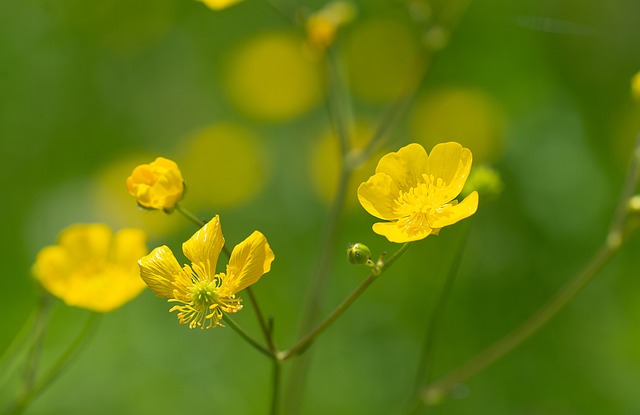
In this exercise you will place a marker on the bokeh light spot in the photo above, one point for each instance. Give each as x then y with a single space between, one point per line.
223 165
270 78
325 164
382 55
467 116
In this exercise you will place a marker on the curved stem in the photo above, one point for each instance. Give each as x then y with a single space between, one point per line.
246 336
59 366
306 340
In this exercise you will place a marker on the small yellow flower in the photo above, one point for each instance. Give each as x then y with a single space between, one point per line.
157 185
92 268
219 4
202 294
415 192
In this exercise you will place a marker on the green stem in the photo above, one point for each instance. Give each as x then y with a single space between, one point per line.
263 324
58 367
427 356
619 231
246 336
304 342
190 216
277 382
18 347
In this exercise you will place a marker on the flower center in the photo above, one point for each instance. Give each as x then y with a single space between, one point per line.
416 205
204 305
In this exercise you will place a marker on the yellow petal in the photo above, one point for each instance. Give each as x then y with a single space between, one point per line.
451 163
128 246
86 242
250 259
377 196
448 215
205 245
406 166
159 269
399 231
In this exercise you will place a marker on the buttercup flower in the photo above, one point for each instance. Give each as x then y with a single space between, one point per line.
92 268
415 192
323 25
201 294
157 185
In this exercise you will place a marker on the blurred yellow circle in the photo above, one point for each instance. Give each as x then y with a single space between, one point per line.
223 165
270 78
325 164
112 201
467 116
382 56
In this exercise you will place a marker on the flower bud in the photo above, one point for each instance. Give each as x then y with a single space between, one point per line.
358 254
157 185
485 180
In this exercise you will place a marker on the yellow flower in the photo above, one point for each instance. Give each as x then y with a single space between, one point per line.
416 191
157 185
219 4
92 268
202 294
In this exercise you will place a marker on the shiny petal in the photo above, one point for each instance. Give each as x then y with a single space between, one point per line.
159 269
377 196
449 215
451 163
405 166
399 232
205 245
250 259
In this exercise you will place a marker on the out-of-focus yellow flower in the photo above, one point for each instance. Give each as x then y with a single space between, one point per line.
635 86
202 295
157 185
322 26
92 268
416 192
219 4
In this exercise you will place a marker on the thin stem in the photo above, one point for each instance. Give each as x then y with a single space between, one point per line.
277 383
619 231
34 390
305 341
339 106
263 324
190 216
427 356
19 345
246 336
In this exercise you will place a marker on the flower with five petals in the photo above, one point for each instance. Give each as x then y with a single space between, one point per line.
203 296
416 192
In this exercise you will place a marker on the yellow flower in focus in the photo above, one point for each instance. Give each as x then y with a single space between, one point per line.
416 192
202 294
157 185
219 4
92 268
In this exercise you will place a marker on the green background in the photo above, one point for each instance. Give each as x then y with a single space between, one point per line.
84 85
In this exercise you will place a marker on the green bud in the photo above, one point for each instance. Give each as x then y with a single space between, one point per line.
485 180
358 254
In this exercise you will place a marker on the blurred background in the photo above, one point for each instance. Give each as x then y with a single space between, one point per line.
539 90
